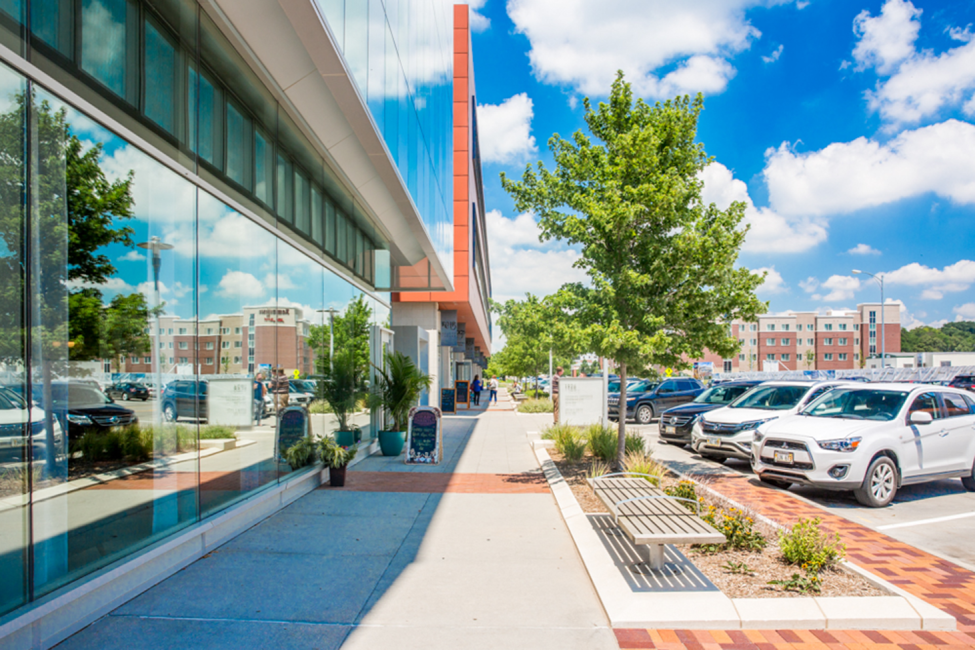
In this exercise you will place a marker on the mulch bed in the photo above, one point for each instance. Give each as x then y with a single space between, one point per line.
763 565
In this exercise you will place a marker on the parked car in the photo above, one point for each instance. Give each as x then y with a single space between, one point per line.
871 440
127 390
966 382
727 432
184 398
152 388
676 423
298 393
80 407
647 399
13 429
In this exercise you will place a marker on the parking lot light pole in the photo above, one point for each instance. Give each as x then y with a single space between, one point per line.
883 332
331 311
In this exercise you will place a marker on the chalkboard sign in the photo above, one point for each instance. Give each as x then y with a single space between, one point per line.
292 426
423 441
447 404
463 392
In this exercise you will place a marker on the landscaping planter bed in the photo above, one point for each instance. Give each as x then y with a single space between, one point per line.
764 566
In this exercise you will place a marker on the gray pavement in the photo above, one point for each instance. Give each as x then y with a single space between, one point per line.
476 569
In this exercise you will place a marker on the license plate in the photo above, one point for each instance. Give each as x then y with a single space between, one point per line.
670 430
784 457
714 442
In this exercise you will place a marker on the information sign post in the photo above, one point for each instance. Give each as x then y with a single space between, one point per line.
582 401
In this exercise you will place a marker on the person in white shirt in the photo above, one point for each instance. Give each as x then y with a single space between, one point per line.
493 385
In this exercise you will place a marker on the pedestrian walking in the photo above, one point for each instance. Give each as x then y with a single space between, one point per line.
259 392
493 385
476 390
280 387
555 393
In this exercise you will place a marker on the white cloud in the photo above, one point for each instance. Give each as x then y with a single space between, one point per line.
863 249
842 287
809 285
920 83
169 295
774 283
505 130
966 311
888 39
241 285
770 232
521 264
479 22
951 279
774 56
111 283
278 281
581 44
132 256
849 176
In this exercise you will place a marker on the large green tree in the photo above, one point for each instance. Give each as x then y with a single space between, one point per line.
950 337
532 328
351 333
661 263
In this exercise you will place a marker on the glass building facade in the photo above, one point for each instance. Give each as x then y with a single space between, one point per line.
164 221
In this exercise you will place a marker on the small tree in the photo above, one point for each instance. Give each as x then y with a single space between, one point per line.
810 358
533 328
661 263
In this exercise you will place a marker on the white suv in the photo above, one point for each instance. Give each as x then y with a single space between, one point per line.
872 438
727 432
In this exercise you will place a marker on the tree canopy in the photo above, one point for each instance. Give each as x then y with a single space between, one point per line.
950 337
663 280
532 327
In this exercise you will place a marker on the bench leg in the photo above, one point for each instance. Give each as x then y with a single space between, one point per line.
653 554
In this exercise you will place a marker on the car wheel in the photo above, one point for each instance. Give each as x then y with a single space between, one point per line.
782 485
717 459
169 412
879 485
969 481
125 397
644 414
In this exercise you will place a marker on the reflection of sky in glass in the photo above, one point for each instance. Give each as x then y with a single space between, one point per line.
104 57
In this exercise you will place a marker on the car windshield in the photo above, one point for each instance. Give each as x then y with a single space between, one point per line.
9 401
721 394
771 398
857 404
641 387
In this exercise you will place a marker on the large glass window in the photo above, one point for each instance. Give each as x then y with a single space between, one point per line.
263 166
105 42
52 21
160 79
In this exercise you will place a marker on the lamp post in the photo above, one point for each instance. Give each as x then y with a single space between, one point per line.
156 245
883 333
331 311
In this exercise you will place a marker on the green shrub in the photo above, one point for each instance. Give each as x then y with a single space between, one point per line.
300 454
136 443
602 441
319 406
536 394
810 547
809 583
738 529
684 490
568 441
216 431
596 469
635 443
643 463
535 406
131 443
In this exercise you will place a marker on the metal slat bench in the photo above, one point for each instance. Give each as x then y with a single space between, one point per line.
651 518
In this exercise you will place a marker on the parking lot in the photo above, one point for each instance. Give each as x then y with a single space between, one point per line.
938 517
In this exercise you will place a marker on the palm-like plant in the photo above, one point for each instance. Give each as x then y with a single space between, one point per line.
341 388
398 387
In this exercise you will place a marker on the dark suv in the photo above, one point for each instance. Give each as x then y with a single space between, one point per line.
648 399
80 407
676 423
963 381
184 399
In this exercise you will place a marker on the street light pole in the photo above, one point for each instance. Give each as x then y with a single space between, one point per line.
883 320
331 311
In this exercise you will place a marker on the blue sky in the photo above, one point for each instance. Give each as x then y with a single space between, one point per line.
848 127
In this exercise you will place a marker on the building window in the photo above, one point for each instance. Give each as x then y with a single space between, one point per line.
828 356
170 331
856 356
182 330
225 330
771 327
208 361
236 330
236 359
225 345
147 360
827 341
741 357
754 357
843 326
856 341
786 341
754 341
183 345
209 345
843 341
785 327
810 341
873 349
135 359
770 357
741 341
842 356
769 341
170 345
184 360
810 327
236 344
828 327
753 327
945 364
856 327
786 357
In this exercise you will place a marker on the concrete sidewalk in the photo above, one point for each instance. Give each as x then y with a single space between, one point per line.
469 554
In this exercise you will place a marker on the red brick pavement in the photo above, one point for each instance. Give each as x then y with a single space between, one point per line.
939 582
438 483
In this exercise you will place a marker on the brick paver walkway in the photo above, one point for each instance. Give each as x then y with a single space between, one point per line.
424 483
937 581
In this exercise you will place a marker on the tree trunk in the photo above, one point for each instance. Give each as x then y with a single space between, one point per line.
621 431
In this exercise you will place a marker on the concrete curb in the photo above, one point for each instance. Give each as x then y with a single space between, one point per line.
710 610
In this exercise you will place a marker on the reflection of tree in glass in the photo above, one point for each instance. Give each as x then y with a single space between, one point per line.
351 332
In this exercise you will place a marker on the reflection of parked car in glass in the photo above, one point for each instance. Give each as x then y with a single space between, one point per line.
83 407
676 423
727 432
872 440
966 382
13 434
647 399
298 392
127 390
184 399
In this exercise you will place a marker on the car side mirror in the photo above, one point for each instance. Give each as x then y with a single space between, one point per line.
921 417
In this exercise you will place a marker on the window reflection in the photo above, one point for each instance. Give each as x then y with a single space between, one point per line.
104 42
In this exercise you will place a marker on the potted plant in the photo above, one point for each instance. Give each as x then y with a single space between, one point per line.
398 389
300 454
336 457
341 388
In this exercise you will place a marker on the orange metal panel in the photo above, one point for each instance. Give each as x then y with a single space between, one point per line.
461 139
460 64
462 214
461 17
461 113
460 264
460 89
461 238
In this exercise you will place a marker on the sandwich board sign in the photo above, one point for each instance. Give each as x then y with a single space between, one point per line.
447 400
424 437
463 388
293 425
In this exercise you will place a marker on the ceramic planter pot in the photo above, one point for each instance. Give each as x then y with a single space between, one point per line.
336 476
391 442
345 438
